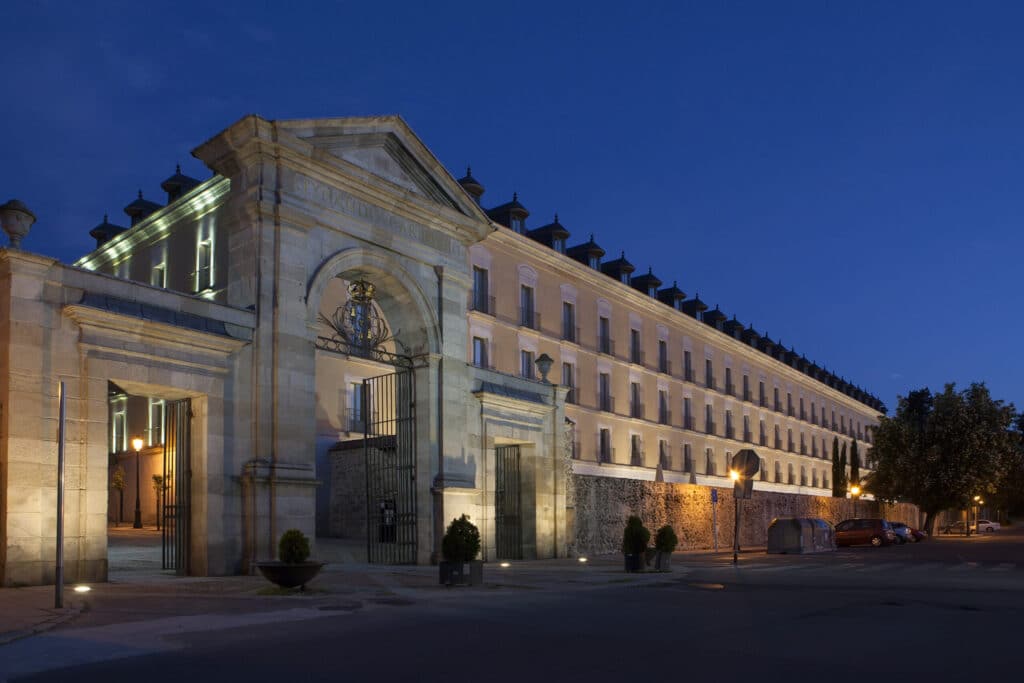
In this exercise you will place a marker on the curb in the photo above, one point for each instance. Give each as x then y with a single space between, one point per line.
50 623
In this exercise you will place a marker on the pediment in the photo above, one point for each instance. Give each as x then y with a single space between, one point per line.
386 148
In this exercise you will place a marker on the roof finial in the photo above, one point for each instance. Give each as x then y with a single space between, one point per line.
650 271
469 170
556 216
140 194
105 218
177 169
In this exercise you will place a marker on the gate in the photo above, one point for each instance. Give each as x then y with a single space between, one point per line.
389 442
177 489
508 526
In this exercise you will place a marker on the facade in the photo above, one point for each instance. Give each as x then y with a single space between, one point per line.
332 334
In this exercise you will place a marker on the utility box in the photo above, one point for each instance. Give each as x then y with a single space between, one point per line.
798 535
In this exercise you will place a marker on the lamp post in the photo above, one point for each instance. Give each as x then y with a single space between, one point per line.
137 445
735 476
855 494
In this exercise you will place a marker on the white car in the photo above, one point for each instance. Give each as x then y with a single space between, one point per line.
985 525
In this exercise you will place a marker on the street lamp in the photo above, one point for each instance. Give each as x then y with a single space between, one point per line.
855 494
137 445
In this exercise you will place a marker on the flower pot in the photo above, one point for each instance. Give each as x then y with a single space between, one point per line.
461 573
634 563
663 562
289 575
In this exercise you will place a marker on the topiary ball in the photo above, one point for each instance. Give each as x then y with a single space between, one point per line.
293 547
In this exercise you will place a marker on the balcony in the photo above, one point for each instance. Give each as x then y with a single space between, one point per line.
575 450
730 389
778 406
748 437
606 346
803 416
483 304
790 446
747 396
778 444
606 403
688 422
709 382
665 460
636 409
763 402
730 432
571 397
664 417
636 356
571 334
688 374
763 440
606 455
665 366
709 428
529 318
636 458
790 412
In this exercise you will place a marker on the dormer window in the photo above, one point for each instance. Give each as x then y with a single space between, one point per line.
594 262
624 278
679 304
558 244
651 291
518 225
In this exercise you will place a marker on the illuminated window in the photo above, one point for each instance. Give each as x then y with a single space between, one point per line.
204 265
158 276
119 425
156 421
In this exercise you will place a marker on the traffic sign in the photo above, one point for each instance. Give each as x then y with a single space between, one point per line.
714 495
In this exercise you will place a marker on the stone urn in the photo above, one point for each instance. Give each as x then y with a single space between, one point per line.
16 220
290 574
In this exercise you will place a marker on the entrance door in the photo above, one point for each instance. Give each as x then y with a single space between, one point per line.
177 486
508 520
389 443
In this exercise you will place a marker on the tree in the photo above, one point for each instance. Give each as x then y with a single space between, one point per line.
854 464
118 483
837 471
844 484
939 451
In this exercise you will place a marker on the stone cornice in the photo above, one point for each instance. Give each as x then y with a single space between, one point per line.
658 311
198 202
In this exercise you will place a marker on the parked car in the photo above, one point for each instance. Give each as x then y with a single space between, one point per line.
875 532
904 534
918 534
956 527
985 525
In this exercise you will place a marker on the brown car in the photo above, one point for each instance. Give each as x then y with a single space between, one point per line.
875 532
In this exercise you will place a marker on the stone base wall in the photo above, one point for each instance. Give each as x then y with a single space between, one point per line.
604 503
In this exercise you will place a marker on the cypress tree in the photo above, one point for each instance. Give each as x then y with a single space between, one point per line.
854 464
845 484
837 472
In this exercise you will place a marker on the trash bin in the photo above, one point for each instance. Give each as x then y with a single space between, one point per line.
798 535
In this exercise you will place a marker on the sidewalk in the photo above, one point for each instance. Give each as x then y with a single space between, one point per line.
141 595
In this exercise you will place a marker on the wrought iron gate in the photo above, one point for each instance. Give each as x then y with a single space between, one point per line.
177 489
389 442
508 526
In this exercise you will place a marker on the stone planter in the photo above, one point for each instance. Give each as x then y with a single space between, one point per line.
663 562
461 573
290 575
634 563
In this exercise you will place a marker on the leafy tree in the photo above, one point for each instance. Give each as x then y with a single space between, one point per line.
939 451
837 471
117 482
854 464
844 483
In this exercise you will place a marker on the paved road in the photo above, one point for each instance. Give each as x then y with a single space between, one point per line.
902 611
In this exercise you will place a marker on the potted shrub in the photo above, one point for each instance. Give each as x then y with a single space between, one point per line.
634 542
459 548
293 568
665 542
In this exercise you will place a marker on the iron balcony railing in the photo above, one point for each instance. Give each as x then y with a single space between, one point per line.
636 409
606 345
709 427
636 356
483 304
606 403
529 318
688 374
688 422
606 454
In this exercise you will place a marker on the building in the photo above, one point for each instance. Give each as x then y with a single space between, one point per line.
332 334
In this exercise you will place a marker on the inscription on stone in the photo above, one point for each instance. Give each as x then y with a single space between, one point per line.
343 202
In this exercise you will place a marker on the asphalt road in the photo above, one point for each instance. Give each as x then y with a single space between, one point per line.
942 610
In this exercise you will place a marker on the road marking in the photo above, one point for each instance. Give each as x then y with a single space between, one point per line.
1003 567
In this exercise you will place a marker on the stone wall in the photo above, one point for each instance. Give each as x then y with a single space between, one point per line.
348 491
604 503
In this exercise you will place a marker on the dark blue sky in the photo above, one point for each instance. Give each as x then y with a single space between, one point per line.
846 176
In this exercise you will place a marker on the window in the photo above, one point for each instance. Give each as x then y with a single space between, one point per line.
119 425
687 414
729 432
778 438
604 335
687 366
636 407
155 427
527 317
814 447
594 262
789 403
604 445
356 412
526 364
746 387
518 225
204 265
664 457
687 458
568 375
709 461
624 278
778 403
663 414
824 480
763 434
814 414
746 429
709 419
480 352
604 392
481 291
729 388
569 322
709 374
636 453
760 394
789 440
662 356
778 472
803 445
803 414
158 276
558 244
635 352
792 474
